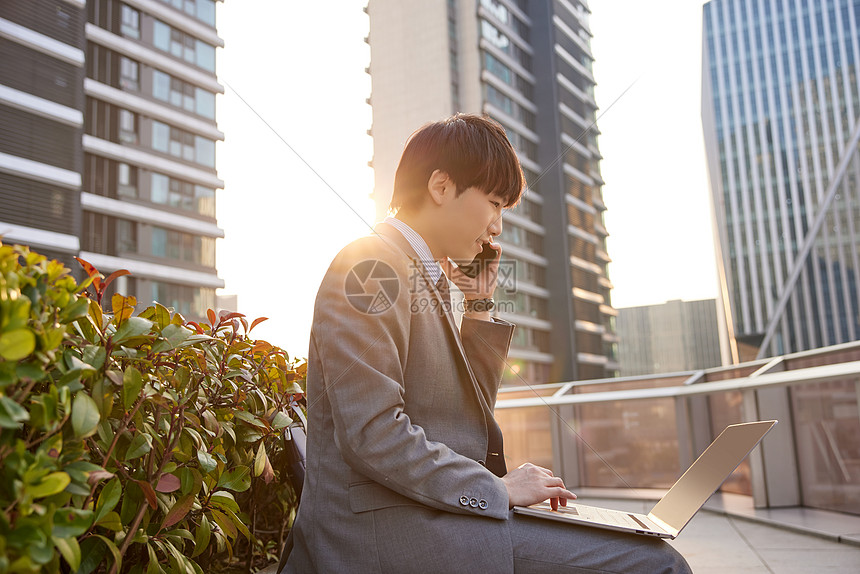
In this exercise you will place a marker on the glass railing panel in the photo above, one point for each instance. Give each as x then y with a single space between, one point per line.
528 435
627 443
726 409
827 434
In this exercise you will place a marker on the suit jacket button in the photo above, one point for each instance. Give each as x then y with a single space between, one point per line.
464 500
483 504
482 463
473 502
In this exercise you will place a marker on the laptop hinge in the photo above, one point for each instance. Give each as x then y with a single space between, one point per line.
666 528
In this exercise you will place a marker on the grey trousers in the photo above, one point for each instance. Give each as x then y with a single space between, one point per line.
544 546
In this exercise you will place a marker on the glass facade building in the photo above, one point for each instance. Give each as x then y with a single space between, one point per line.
108 136
527 64
780 109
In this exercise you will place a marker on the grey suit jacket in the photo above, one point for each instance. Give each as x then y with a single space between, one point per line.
397 428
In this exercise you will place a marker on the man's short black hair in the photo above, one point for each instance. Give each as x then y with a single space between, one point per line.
473 150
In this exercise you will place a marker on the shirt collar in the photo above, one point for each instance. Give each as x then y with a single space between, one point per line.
431 266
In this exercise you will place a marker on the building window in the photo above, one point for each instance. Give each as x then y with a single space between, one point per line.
182 144
129 74
182 94
182 195
204 103
180 246
494 37
204 151
184 46
130 22
203 10
126 180
127 127
498 10
498 69
126 236
192 302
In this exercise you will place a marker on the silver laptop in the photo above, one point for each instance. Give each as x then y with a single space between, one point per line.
672 513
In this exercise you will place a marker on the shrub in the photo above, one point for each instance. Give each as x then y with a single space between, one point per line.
135 442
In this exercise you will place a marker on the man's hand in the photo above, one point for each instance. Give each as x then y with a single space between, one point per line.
530 484
481 287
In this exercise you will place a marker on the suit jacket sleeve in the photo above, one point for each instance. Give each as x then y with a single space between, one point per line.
486 344
362 357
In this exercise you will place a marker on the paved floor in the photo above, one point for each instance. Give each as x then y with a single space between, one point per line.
714 543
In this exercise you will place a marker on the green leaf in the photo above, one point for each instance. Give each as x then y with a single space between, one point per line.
179 511
132 382
237 522
70 549
108 498
249 418
175 335
49 485
111 521
140 445
75 311
224 499
162 315
225 524
207 461
11 413
85 415
152 566
94 355
71 522
201 536
117 557
17 344
132 327
281 420
237 479
92 552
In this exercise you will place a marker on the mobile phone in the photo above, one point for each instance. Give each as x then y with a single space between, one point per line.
477 265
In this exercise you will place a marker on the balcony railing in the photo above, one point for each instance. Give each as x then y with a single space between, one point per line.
643 432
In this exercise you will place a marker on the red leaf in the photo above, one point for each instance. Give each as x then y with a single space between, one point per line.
197 327
179 511
167 483
230 315
257 321
91 271
116 274
149 493
211 314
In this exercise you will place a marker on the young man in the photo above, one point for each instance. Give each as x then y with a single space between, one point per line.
405 468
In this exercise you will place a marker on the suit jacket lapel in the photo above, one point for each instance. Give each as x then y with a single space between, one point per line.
392 235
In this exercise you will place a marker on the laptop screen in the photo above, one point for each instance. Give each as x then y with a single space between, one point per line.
709 471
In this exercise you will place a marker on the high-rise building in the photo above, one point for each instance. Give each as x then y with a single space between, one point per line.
107 140
668 338
779 106
527 64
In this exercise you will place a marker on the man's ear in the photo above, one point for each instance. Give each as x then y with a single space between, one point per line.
441 187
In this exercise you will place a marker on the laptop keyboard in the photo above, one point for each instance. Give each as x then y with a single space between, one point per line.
614 517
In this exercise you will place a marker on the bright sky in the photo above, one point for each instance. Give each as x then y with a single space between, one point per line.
300 68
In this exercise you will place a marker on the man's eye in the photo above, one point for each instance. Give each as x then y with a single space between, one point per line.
496 204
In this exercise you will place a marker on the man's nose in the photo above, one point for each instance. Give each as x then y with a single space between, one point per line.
495 228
